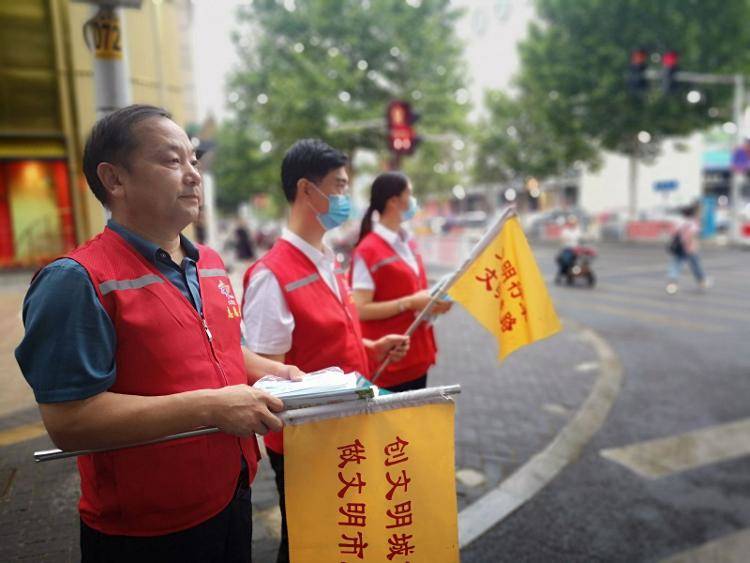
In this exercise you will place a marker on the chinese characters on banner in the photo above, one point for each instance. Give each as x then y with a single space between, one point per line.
505 292
376 487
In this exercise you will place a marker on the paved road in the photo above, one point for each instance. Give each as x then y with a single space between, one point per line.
687 384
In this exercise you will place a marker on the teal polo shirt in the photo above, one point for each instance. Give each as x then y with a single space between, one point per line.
68 350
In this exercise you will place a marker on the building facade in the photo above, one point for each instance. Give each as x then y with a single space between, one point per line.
47 107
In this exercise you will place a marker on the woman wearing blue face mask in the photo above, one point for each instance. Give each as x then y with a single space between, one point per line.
389 281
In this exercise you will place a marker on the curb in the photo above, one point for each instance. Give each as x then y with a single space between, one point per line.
543 467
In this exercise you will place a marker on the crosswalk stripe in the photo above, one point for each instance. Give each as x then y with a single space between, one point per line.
692 308
665 456
649 317
718 294
732 548
21 433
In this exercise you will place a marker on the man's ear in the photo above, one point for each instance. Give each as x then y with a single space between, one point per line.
302 186
110 175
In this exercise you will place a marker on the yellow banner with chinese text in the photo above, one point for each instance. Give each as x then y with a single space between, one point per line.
373 487
504 290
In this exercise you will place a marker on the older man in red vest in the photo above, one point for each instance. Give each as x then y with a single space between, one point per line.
297 306
136 335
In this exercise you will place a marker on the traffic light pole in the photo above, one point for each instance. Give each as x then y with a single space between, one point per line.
738 110
394 165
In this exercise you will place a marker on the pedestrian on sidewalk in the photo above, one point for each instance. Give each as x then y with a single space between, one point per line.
684 247
389 281
297 306
135 335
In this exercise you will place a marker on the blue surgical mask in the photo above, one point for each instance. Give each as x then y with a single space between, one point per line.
411 210
339 209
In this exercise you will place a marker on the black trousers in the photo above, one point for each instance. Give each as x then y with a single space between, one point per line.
277 462
419 383
225 538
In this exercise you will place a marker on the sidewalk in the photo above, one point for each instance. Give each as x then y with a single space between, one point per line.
505 414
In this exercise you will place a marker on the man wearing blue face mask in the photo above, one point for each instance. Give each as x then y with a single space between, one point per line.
296 303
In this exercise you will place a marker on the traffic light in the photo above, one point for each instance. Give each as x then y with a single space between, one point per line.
402 139
670 62
637 81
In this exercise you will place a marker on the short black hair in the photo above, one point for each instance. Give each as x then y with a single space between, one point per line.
311 159
112 140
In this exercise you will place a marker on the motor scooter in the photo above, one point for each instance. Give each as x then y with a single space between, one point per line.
575 264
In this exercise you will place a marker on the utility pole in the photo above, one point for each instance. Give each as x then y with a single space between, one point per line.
104 34
737 81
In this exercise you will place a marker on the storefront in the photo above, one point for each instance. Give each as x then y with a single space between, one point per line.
36 215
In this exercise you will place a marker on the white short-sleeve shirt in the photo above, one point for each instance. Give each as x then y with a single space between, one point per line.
399 241
267 320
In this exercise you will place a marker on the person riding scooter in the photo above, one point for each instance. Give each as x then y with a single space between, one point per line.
574 260
569 239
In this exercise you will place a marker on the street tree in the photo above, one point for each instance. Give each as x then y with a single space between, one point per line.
575 58
514 142
328 69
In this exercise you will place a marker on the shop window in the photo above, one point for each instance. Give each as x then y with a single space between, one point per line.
36 220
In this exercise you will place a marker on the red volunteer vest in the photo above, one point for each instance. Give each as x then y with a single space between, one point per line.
394 279
326 331
163 348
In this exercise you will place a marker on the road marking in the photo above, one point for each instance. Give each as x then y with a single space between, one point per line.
653 318
734 296
587 366
692 308
733 548
665 456
554 408
21 433
9 475
535 474
709 297
470 477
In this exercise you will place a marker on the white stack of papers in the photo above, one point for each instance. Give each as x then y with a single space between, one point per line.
326 386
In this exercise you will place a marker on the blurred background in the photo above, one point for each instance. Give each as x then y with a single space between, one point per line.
619 113
602 121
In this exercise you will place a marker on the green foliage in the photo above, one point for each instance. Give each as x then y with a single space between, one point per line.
514 142
241 168
328 69
573 79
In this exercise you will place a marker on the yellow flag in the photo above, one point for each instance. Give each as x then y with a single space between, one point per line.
504 290
373 487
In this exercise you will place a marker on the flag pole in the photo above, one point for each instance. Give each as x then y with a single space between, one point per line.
365 402
291 405
506 213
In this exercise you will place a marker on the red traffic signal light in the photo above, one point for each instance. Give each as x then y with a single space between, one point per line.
637 80
638 57
670 63
402 139
670 59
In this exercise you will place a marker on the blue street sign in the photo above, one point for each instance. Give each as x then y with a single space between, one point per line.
666 185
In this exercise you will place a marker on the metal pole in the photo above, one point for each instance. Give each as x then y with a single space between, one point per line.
365 401
104 34
633 181
737 175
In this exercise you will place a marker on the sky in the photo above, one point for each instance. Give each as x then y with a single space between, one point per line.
489 28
